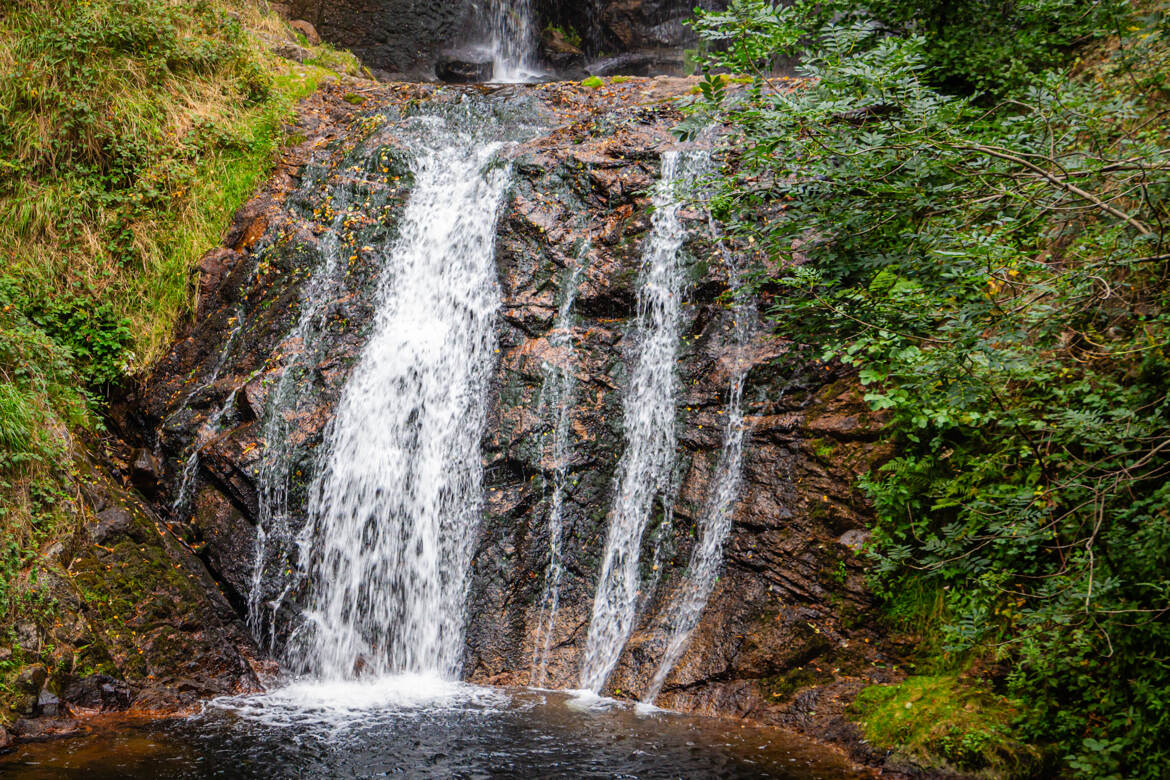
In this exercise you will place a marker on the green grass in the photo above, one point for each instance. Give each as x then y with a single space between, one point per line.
134 130
130 132
946 722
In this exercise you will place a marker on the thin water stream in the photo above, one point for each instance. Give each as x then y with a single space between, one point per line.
702 572
645 470
556 398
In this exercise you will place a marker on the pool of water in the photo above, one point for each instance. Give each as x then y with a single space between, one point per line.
418 727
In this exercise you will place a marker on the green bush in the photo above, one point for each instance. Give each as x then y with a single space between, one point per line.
995 45
996 274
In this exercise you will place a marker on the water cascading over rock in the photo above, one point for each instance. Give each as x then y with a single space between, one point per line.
394 509
513 39
557 398
715 523
646 469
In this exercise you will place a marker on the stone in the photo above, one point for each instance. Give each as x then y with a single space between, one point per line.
214 268
146 472
45 728
306 29
28 638
854 539
242 223
464 66
98 692
111 524
48 705
291 51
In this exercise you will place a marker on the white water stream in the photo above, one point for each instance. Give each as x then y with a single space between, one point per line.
645 470
715 522
513 41
395 508
556 395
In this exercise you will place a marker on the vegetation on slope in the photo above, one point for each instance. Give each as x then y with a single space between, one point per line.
968 202
130 131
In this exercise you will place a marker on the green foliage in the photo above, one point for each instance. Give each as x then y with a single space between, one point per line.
997 275
124 128
569 34
97 340
994 45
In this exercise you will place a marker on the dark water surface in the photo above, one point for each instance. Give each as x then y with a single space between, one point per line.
397 731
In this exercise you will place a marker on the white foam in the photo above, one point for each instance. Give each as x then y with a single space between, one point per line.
337 703
584 700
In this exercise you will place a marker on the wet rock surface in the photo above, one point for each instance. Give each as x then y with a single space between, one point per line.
786 638
406 38
127 617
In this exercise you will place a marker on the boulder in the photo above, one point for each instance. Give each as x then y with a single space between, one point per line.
306 29
45 728
97 692
291 51
111 524
464 66
48 704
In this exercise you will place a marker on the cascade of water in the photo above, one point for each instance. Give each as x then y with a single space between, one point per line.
395 505
715 522
513 32
274 543
557 394
186 492
645 469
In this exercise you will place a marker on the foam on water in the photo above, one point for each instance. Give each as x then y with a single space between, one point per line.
338 703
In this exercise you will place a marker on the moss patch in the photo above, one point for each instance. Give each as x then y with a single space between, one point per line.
946 722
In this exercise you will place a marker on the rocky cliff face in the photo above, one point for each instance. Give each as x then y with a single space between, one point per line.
616 26
125 614
785 636
397 36
406 36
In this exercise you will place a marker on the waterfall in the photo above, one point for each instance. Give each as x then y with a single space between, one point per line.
513 40
557 395
394 509
715 523
646 465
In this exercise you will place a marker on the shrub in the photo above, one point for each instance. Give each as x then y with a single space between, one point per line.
996 274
